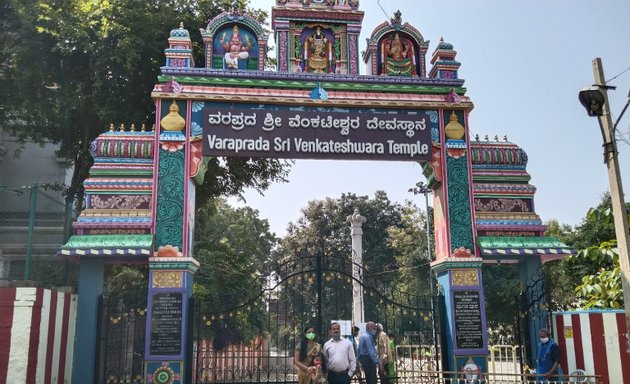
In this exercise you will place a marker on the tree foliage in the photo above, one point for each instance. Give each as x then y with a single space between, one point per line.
602 287
233 246
410 248
394 252
594 272
69 68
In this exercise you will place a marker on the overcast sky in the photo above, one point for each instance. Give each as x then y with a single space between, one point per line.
524 63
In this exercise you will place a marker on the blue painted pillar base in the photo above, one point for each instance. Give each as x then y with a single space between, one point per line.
466 342
91 271
166 358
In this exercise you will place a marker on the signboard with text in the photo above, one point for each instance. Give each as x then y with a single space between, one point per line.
166 324
468 322
318 134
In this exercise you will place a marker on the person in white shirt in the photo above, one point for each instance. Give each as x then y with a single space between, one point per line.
341 361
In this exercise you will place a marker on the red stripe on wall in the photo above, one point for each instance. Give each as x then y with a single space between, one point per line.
599 346
63 348
577 341
562 342
7 298
50 346
623 346
33 343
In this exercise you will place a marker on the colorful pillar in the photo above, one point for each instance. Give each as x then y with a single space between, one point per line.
167 354
172 267
457 267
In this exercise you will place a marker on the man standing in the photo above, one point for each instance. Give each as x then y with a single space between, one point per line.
339 356
354 339
382 349
367 354
548 358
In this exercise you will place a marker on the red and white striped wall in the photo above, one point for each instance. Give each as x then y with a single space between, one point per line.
36 335
596 342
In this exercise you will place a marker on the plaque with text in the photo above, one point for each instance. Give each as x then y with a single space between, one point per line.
468 324
166 324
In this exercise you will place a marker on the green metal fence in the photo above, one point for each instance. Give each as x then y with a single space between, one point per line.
33 225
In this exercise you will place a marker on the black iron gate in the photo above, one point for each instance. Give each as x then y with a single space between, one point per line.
253 340
120 343
534 313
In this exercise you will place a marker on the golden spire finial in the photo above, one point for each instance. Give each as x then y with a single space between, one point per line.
143 128
181 25
454 130
133 127
122 128
173 121
111 127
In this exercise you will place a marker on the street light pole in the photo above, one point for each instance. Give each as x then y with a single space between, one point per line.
616 188
425 190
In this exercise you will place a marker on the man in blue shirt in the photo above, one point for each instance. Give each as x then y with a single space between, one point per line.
366 354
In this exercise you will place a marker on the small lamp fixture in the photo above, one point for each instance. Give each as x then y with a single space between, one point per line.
592 99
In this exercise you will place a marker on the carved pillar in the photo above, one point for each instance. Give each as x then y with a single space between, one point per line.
457 267
172 267
353 49
356 232
282 45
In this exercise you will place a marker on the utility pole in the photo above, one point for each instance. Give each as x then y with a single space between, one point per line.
611 158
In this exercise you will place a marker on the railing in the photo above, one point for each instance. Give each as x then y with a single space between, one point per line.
444 377
415 364
504 359
33 227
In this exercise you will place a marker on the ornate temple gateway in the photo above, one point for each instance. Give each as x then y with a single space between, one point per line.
140 205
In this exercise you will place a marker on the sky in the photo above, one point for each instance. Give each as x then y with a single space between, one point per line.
524 63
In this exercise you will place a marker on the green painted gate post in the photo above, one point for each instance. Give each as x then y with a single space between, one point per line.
457 266
172 266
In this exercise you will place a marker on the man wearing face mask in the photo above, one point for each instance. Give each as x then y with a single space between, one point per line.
548 358
367 354
339 355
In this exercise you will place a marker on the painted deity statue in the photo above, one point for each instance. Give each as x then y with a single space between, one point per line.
318 52
234 48
398 57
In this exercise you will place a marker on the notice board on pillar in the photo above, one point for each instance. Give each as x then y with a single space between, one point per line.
166 324
468 322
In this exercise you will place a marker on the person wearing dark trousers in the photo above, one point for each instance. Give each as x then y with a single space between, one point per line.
339 355
548 369
382 348
367 355
354 339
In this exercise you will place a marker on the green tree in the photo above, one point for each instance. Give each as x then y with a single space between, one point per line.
593 274
602 287
409 243
393 258
558 278
69 68
233 246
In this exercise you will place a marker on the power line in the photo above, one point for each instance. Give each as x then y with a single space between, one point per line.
614 77
381 7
